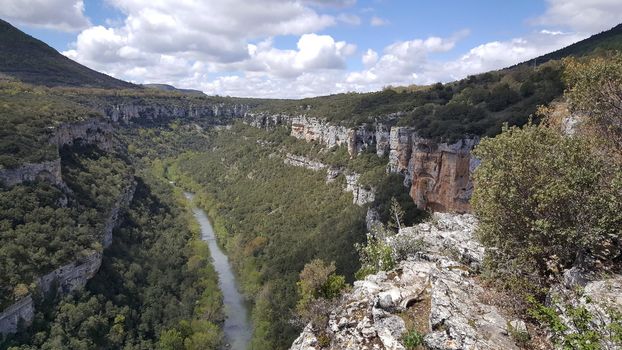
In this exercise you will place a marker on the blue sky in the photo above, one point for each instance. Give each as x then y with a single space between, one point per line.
296 48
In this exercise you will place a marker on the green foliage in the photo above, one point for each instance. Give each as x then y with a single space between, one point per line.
595 90
156 287
544 200
375 255
318 280
412 339
40 233
317 287
574 331
272 219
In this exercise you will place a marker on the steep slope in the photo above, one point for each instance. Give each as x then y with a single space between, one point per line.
31 60
607 40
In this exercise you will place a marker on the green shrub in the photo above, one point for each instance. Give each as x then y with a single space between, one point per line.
412 339
375 255
545 201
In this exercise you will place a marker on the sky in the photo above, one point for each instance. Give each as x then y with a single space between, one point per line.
302 48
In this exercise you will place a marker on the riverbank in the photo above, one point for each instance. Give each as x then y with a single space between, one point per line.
237 327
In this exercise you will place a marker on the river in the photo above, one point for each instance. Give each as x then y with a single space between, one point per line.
237 328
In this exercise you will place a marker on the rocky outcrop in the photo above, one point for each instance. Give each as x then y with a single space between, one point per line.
383 140
316 130
361 195
93 132
599 296
49 171
22 312
302 161
142 111
112 221
450 235
265 120
68 277
429 289
400 148
72 276
441 175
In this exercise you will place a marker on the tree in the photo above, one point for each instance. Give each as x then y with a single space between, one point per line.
595 90
397 215
318 285
543 198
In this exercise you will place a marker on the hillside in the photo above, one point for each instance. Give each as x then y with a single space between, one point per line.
609 40
32 61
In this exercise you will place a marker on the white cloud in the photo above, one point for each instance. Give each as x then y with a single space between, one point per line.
350 19
589 16
410 62
378 22
183 42
370 57
315 52
64 15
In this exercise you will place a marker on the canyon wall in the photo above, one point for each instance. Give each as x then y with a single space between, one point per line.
152 111
48 170
93 132
361 195
437 175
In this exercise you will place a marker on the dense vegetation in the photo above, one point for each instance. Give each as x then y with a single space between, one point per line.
29 115
272 218
549 201
43 228
155 289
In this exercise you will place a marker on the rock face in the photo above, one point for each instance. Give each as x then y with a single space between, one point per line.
304 162
93 132
360 194
428 286
21 311
49 171
441 175
449 234
264 121
436 175
316 130
71 276
142 111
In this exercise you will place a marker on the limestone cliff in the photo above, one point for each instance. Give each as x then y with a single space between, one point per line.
436 175
361 195
441 174
141 111
94 132
48 170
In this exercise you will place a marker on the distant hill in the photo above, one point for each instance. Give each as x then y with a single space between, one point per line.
33 61
166 87
609 40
